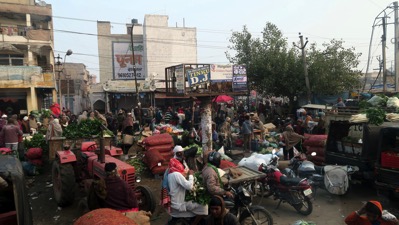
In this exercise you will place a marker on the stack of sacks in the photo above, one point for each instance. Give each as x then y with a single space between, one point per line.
255 160
315 143
159 150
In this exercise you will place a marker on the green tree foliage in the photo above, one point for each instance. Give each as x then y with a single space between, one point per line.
331 70
277 69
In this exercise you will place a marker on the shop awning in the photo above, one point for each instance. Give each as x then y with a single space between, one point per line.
162 95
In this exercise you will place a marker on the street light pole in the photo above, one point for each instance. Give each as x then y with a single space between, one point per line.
69 52
134 71
68 78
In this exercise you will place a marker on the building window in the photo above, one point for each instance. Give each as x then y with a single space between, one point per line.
11 60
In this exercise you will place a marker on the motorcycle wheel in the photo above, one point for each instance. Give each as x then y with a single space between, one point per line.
262 217
305 207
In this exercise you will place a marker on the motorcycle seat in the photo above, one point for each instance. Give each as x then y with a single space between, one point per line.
289 181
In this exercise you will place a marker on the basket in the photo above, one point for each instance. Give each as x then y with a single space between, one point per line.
390 159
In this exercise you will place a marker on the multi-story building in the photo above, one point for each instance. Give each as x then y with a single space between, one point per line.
27 79
75 87
156 47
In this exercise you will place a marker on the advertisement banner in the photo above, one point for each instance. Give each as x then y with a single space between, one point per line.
198 76
122 60
239 78
180 82
221 73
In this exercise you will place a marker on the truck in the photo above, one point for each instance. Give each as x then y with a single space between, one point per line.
354 144
387 163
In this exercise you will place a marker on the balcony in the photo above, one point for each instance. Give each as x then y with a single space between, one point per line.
25 77
22 34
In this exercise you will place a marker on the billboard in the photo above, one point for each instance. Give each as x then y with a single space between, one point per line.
122 60
221 73
198 76
239 78
180 79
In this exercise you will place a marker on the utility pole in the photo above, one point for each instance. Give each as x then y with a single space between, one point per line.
134 21
305 67
396 46
384 58
59 80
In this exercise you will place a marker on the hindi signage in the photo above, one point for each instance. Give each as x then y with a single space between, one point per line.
122 59
239 78
198 76
221 73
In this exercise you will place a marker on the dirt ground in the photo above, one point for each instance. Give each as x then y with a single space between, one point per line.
327 209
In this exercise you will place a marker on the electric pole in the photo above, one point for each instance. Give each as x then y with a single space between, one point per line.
134 21
396 46
305 66
384 57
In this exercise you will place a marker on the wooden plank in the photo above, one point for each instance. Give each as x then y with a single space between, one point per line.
247 175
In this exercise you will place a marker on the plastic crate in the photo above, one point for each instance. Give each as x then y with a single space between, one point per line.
390 159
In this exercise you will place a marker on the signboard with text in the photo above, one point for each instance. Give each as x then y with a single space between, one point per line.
239 78
122 59
180 81
198 76
221 73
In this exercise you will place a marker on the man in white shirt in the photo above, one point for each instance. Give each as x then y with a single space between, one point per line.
178 184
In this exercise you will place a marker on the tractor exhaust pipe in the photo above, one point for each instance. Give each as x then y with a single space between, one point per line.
101 156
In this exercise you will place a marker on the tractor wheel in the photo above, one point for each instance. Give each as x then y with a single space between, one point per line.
145 199
63 183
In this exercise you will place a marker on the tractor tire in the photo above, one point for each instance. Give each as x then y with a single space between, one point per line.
63 183
147 200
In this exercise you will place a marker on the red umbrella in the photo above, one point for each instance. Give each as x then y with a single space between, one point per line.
222 98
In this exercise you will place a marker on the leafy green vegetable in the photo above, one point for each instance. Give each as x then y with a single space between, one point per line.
199 193
37 141
376 116
86 128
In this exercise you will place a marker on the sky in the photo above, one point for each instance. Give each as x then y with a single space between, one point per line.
319 20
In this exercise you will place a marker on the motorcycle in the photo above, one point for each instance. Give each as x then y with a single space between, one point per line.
241 206
295 191
333 178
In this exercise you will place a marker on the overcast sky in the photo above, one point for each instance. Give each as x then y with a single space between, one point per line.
319 20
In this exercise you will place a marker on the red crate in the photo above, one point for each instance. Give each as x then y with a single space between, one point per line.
390 159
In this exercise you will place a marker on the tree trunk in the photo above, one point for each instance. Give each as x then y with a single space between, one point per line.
206 131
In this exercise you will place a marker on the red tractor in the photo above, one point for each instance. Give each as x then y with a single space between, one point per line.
88 164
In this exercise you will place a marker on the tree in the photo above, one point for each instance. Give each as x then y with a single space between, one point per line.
331 70
276 69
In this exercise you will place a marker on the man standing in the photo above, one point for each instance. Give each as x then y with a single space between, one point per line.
246 131
9 134
225 133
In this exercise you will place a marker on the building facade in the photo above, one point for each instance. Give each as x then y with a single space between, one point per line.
75 87
156 46
27 80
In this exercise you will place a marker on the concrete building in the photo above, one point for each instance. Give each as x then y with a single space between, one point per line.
27 79
75 87
156 46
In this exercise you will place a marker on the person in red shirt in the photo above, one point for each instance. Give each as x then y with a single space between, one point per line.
369 214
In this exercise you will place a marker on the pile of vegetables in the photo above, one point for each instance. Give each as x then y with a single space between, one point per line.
86 129
104 216
198 194
199 151
138 164
37 141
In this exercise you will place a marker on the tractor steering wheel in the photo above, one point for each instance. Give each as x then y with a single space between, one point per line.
92 147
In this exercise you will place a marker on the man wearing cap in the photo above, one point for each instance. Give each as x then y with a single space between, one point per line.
117 193
370 213
178 184
3 121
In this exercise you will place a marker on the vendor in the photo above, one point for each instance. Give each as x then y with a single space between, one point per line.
259 126
225 133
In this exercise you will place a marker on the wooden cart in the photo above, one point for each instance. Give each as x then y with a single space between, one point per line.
248 175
